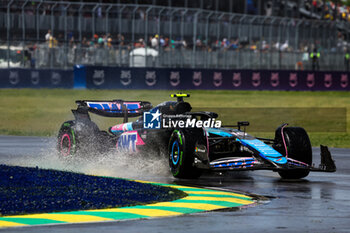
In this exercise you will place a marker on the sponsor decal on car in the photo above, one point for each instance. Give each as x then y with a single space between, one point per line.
115 107
128 141
156 121
151 120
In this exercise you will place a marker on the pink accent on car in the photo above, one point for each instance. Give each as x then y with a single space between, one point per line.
297 161
68 151
118 127
284 141
139 140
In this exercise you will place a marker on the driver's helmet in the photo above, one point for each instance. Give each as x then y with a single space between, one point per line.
173 107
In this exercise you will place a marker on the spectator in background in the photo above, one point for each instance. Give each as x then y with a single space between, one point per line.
347 59
140 43
225 44
166 43
184 43
277 46
95 39
284 46
32 48
234 44
305 56
120 40
154 42
72 43
52 43
100 41
84 43
199 43
72 50
109 42
268 8
315 56
172 44
48 35
327 13
161 41
253 47
141 14
264 46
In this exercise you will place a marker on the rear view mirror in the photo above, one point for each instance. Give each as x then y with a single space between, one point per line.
242 123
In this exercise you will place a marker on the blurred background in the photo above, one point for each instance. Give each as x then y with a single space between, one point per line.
225 34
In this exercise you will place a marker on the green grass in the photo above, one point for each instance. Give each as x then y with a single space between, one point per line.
40 112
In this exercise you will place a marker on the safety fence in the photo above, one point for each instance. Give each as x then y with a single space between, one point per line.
109 34
66 57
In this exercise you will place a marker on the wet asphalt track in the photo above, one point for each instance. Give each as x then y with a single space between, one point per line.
319 203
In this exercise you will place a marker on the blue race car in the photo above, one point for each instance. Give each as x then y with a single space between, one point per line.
192 141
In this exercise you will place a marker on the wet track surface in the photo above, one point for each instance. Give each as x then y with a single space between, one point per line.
319 203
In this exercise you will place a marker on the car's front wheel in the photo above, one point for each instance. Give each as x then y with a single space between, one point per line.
298 145
181 155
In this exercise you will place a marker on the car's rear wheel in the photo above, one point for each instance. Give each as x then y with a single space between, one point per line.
83 138
66 141
298 145
181 155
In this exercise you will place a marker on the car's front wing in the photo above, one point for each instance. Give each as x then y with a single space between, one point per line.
251 163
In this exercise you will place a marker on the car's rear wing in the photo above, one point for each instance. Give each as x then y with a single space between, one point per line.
112 108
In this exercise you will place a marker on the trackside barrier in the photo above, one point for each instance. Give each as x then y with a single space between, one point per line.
99 77
214 79
79 77
32 78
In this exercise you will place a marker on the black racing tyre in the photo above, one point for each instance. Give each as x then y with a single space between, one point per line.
298 148
181 155
66 140
83 138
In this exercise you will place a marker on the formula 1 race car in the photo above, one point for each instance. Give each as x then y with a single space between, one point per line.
192 141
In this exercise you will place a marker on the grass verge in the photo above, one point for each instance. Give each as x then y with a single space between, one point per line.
40 112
